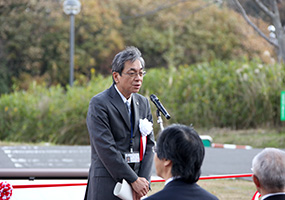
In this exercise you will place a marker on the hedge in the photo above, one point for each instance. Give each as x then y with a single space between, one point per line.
236 95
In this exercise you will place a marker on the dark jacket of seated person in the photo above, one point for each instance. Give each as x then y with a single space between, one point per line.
179 156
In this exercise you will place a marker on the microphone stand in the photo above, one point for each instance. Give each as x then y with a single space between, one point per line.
159 120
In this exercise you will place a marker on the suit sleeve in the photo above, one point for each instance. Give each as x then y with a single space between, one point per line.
102 140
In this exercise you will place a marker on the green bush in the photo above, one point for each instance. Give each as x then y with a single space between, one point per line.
48 114
220 94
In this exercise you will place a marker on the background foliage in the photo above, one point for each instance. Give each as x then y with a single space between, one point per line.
208 67
34 37
216 94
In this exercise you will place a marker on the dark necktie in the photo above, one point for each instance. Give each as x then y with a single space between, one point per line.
128 107
130 115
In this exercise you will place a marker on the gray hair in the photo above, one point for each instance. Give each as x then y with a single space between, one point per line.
269 167
129 53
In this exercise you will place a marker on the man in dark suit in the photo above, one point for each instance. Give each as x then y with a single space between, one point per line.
178 159
269 174
119 148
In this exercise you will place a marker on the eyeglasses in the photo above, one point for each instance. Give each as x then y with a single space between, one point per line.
135 74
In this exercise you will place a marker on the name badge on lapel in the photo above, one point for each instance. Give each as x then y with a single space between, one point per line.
133 157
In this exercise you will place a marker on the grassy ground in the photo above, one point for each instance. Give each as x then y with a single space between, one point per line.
257 138
224 189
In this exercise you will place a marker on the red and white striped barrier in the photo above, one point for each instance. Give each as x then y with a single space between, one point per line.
230 146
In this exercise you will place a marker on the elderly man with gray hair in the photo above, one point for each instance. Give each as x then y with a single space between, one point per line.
269 174
117 118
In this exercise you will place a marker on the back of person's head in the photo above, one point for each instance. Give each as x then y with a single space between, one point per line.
130 53
269 167
182 145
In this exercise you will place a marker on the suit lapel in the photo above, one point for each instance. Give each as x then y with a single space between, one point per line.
136 109
118 103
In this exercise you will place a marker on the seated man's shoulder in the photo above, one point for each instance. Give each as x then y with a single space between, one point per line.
180 193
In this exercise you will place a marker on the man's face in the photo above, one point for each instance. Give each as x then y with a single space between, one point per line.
127 84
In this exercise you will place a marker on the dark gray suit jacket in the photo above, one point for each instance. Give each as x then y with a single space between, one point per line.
180 190
276 197
109 130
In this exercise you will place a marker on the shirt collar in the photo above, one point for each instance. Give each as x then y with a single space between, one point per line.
124 98
171 179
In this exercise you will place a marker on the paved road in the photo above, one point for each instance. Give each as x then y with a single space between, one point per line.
44 157
217 161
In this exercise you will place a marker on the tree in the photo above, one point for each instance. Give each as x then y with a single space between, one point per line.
34 37
31 40
97 35
271 9
34 42
178 32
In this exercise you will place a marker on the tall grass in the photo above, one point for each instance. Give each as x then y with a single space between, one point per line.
235 95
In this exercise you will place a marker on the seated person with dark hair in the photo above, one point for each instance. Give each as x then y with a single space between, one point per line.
178 159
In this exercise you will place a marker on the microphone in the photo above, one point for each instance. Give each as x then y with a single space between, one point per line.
159 106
